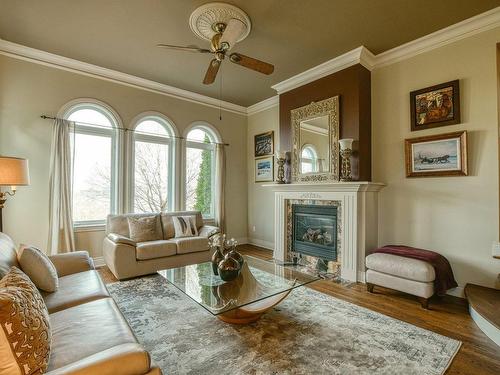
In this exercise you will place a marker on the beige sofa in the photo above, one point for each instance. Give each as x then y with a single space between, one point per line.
126 258
89 334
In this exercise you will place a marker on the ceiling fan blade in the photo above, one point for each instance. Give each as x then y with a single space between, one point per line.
211 73
186 48
251 63
232 33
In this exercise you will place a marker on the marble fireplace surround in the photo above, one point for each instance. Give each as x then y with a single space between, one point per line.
358 217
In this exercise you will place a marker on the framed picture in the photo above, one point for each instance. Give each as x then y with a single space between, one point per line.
437 155
435 106
264 144
264 169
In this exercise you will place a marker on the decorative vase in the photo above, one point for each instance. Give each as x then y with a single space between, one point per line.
228 268
232 243
217 257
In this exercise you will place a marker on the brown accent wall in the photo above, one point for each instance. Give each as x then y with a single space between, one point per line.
353 85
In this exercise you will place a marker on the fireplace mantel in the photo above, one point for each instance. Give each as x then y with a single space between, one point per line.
352 186
359 234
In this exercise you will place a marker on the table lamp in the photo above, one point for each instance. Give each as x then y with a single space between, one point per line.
13 172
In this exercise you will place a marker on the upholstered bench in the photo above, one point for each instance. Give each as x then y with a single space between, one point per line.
407 275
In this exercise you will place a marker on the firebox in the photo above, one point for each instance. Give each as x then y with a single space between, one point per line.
314 230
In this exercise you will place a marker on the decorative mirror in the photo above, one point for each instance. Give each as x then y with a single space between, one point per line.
315 134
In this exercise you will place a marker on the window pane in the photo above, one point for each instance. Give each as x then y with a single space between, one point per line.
91 177
90 116
151 127
199 180
198 135
151 177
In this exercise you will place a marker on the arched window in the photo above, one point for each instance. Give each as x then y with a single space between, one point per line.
95 157
308 159
200 169
153 178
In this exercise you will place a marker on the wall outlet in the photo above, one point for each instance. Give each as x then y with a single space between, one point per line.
495 249
253 228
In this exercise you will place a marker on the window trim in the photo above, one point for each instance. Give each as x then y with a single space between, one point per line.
116 149
215 137
169 140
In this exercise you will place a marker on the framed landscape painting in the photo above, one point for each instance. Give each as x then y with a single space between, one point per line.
264 169
435 106
264 144
437 155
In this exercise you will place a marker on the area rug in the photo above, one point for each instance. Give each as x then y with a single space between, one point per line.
308 333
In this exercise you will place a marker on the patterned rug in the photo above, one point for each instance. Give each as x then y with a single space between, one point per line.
308 333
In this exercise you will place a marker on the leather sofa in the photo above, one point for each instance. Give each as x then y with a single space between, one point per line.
126 258
89 334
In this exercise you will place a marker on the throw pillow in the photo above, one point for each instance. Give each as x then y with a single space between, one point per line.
24 326
38 267
185 226
143 229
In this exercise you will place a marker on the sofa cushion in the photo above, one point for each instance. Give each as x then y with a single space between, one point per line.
25 333
84 330
143 229
407 268
74 290
155 249
8 254
119 223
38 267
185 226
191 244
168 224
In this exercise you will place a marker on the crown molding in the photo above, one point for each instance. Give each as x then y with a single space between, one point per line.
60 62
360 55
461 30
273 101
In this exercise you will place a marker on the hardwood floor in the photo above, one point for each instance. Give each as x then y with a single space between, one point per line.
447 316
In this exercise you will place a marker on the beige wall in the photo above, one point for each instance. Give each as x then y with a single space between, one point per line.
456 216
28 90
261 199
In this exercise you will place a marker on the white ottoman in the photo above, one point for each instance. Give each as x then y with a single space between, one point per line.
407 275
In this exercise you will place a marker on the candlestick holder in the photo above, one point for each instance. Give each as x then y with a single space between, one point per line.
280 160
345 153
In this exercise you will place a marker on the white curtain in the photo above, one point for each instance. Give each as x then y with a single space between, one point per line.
220 179
61 237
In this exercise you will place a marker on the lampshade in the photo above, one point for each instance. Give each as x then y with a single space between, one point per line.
233 32
14 171
346 143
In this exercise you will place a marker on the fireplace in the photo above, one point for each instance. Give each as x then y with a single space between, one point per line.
314 230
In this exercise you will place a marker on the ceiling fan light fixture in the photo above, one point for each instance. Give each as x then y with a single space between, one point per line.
234 29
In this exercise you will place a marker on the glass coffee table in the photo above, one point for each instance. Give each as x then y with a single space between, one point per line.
260 286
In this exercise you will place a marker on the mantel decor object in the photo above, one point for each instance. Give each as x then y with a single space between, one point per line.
345 153
315 146
13 172
280 160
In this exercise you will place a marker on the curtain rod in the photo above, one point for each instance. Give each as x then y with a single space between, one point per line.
128 130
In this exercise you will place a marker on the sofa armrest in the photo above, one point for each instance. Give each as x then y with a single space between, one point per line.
124 359
70 263
208 231
119 239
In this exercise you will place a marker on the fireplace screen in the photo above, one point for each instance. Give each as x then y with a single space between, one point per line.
314 230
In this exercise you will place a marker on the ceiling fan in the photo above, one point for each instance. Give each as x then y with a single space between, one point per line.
224 25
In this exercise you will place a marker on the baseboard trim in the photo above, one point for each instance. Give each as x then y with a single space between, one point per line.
99 261
261 243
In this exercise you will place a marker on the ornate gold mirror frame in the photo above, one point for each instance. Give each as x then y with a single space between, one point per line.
325 107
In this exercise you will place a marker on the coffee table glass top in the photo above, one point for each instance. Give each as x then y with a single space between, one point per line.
258 280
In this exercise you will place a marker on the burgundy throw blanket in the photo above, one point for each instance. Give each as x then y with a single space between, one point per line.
444 274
